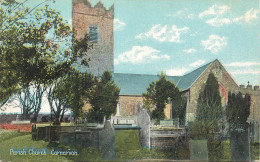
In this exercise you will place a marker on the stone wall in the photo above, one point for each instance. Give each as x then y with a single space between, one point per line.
254 93
254 116
129 105
85 16
226 83
166 138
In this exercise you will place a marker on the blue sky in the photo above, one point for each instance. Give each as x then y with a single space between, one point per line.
177 36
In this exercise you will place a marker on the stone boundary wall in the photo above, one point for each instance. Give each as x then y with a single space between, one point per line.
70 135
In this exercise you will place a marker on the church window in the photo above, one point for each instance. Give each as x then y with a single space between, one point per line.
93 34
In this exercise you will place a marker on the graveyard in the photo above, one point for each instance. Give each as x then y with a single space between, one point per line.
83 81
140 140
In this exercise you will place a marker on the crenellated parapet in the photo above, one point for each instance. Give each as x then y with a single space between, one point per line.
98 22
249 88
85 7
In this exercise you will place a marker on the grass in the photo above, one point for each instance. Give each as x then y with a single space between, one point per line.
255 151
20 140
17 140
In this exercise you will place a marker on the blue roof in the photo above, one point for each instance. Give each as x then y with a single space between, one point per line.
136 84
188 79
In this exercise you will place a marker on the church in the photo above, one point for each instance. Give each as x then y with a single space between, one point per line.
98 21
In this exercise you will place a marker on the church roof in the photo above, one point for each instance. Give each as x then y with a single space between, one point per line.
188 79
136 84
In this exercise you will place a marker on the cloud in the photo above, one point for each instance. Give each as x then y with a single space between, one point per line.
214 43
70 21
214 10
250 15
197 63
191 50
182 71
140 55
194 34
243 64
182 14
176 72
246 71
215 16
218 22
118 25
164 33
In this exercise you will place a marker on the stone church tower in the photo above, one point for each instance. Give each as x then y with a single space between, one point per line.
97 21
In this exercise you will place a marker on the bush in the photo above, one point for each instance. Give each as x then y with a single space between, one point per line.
45 118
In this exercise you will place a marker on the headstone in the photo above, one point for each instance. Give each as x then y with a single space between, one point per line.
143 121
107 142
239 145
118 109
198 150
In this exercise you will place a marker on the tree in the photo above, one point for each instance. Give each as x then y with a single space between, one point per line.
30 101
209 103
208 116
28 55
158 94
75 88
56 95
103 98
238 110
179 107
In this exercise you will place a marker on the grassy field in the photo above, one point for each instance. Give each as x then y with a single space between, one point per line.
17 140
13 139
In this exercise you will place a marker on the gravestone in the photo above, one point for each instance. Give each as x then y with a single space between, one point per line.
107 142
239 145
143 121
198 150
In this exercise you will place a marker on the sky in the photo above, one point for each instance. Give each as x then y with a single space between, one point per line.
178 36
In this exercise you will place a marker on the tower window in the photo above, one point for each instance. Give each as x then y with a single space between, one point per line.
93 34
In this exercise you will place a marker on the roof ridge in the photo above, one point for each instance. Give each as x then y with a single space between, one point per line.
199 68
146 74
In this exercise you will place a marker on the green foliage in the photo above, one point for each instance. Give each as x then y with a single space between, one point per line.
255 149
179 107
75 89
238 109
36 45
208 116
237 113
103 98
209 103
158 94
